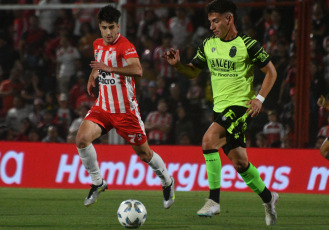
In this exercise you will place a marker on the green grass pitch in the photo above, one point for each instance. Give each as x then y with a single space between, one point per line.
63 209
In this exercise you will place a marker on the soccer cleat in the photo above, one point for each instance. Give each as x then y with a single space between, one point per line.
270 213
169 194
94 193
209 209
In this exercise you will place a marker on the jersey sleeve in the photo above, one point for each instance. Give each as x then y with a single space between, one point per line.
129 51
200 60
256 52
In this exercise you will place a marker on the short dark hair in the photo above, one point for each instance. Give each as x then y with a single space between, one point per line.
108 14
222 6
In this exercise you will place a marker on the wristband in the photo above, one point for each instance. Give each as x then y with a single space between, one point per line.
260 97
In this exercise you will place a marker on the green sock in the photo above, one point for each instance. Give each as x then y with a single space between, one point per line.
252 179
213 165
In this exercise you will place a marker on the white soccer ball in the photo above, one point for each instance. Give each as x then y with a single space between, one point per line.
132 213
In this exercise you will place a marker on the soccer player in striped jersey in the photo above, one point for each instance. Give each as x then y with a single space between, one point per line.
115 66
230 57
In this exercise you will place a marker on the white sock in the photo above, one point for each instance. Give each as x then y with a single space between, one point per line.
89 159
160 169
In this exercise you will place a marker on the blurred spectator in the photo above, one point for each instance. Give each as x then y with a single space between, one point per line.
163 68
82 16
182 125
184 139
319 22
158 124
20 25
176 99
32 43
35 116
16 114
26 126
33 135
52 135
113 138
10 88
181 28
319 142
271 45
323 111
262 23
195 96
149 102
162 88
65 57
78 89
324 130
280 59
73 129
261 141
278 26
85 46
7 56
131 26
64 21
150 27
51 103
288 85
325 61
47 17
317 89
273 130
48 119
64 112
85 99
32 88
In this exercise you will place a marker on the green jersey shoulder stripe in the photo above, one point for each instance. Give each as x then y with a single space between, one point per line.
231 66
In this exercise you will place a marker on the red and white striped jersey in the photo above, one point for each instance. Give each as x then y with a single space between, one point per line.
116 92
165 70
162 120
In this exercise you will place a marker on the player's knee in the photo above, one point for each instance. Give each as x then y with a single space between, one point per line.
207 143
81 141
145 156
240 165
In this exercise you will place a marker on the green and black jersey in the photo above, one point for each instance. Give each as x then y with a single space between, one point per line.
231 64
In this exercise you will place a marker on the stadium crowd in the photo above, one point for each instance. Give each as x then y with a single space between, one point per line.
44 68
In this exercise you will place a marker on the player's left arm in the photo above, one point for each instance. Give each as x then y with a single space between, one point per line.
133 69
255 104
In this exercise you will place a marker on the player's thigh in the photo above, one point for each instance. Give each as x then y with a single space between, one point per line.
87 133
214 138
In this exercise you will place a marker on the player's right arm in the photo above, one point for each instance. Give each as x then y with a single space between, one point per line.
92 82
173 58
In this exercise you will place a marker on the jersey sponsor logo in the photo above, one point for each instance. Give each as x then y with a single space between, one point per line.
130 51
232 51
220 64
104 78
262 56
106 81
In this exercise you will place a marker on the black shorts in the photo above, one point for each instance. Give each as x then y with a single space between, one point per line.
234 119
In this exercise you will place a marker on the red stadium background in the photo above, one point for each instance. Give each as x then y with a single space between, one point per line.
43 165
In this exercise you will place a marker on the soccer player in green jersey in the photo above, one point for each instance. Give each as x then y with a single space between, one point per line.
230 57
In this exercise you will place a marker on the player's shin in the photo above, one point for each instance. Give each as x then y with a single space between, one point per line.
160 169
213 165
252 178
89 160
